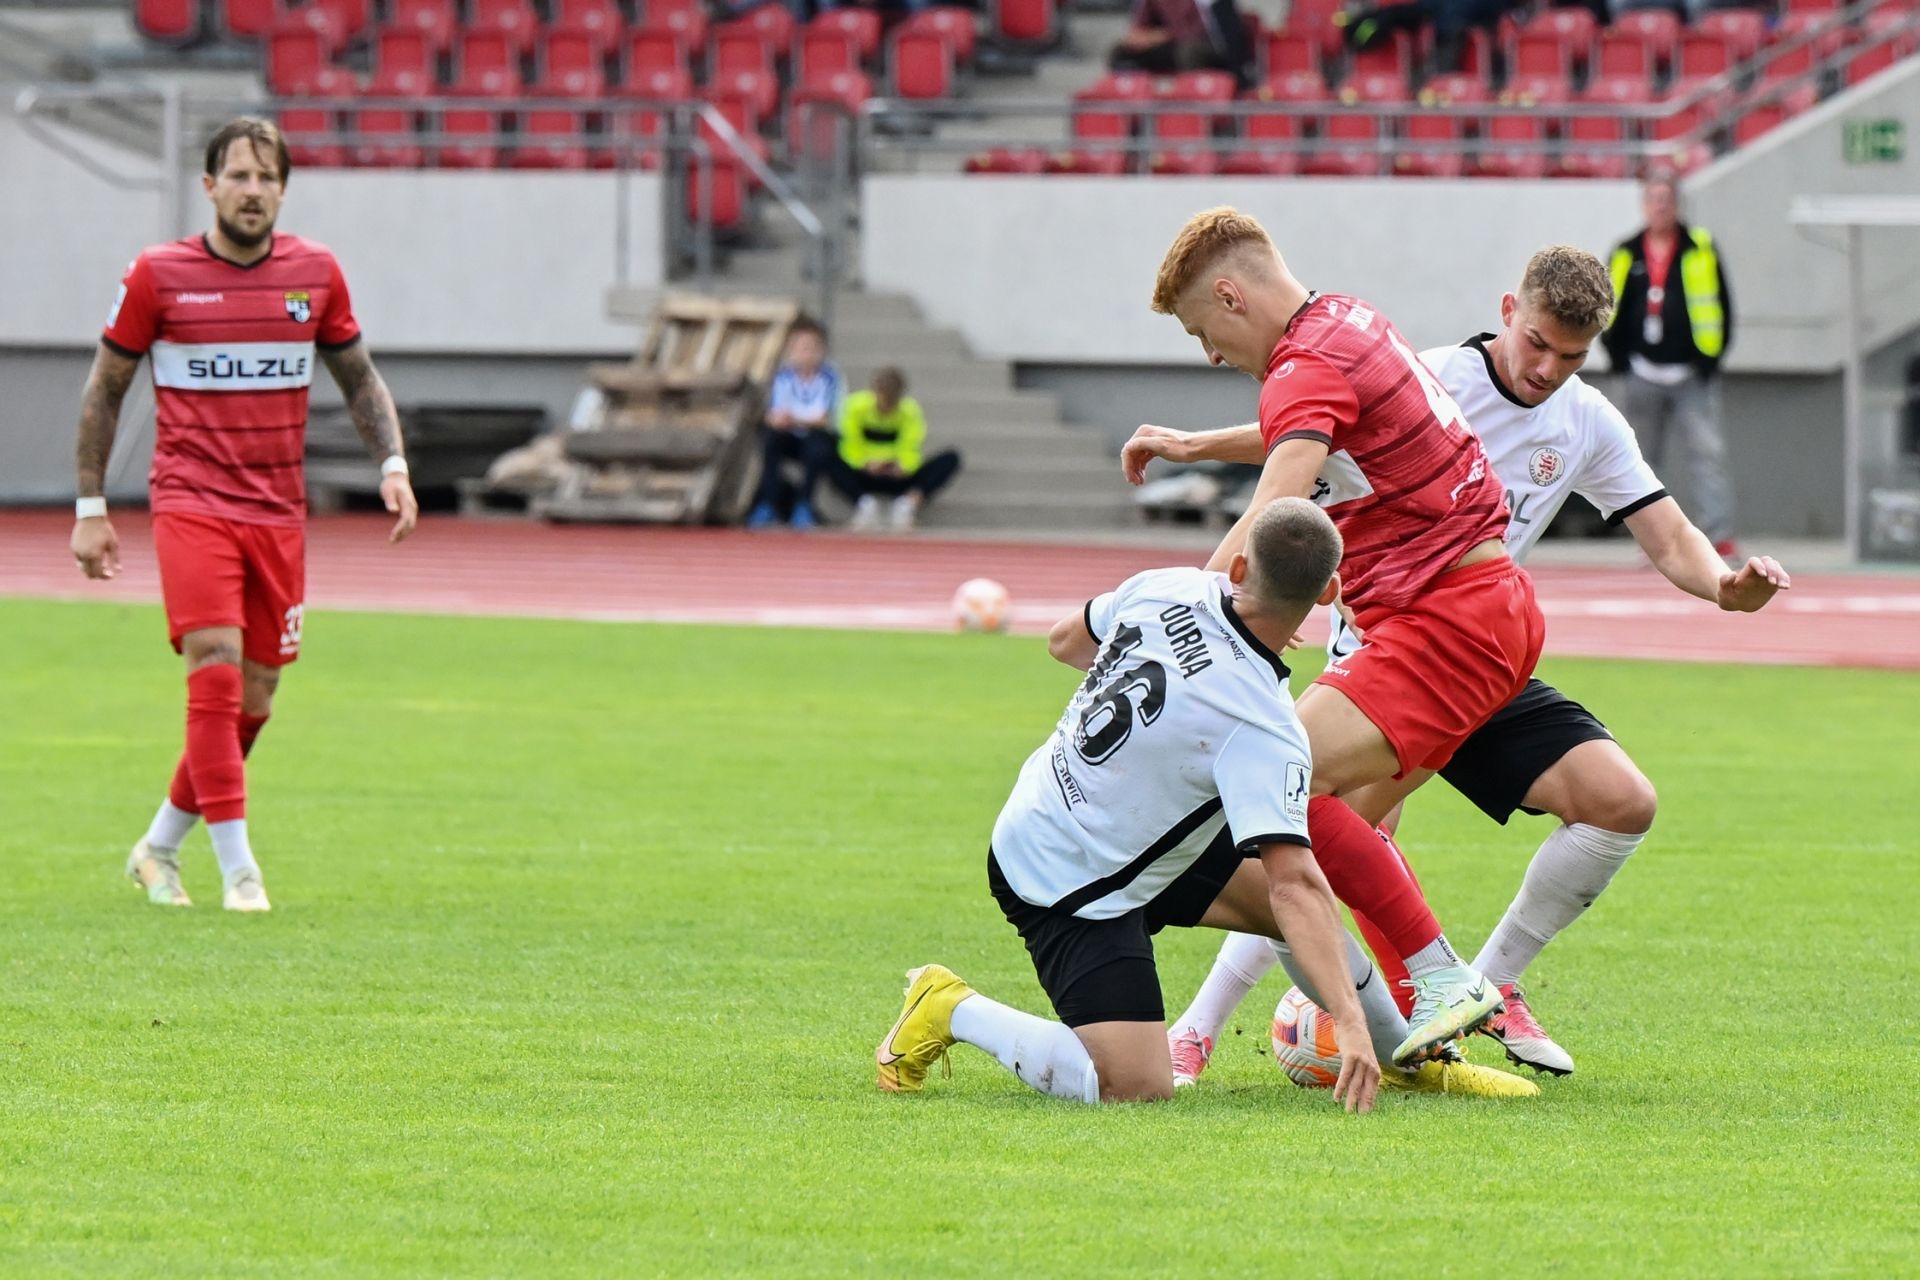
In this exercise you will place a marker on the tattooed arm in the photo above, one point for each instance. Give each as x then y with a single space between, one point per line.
374 417
96 548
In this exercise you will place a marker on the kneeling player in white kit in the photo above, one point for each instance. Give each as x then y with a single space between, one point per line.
1549 435
1173 791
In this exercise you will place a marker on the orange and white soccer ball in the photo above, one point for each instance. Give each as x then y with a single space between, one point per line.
981 604
1304 1043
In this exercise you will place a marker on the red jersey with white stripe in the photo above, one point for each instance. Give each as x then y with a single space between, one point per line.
1406 480
232 353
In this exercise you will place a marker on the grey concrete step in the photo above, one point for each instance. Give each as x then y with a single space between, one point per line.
956 414
1066 513
899 344
925 378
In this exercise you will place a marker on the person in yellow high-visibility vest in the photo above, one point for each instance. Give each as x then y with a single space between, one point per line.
1672 325
883 438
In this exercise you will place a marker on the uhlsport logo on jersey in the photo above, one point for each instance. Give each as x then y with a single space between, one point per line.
300 306
1546 466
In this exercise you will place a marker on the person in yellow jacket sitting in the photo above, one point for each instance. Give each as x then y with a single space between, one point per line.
883 435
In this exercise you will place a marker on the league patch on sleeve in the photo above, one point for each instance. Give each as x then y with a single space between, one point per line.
1295 796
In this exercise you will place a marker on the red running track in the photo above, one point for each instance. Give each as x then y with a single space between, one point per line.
624 574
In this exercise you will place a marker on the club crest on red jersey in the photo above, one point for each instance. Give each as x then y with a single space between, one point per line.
300 306
1546 466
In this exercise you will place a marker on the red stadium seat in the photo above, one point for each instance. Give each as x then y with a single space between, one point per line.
570 65
1743 31
1028 22
720 190
922 64
350 18
403 51
823 112
1657 29
600 19
1703 56
1623 53
433 20
1540 54
1586 135
1392 58
294 58
1758 122
1820 8
1349 143
656 49
1181 137
1314 20
398 81
1514 146
757 91
473 139
647 126
738 47
1446 133
775 25
823 53
1288 51
313 133
1008 160
1276 126
1796 25
1572 29
954 24
250 19
728 150
862 26
513 19
1791 65
386 138
173 22
487 65
1116 92
688 26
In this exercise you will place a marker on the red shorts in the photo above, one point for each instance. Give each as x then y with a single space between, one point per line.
221 573
1431 674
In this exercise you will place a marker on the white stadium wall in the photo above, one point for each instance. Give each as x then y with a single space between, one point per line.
440 263
1059 270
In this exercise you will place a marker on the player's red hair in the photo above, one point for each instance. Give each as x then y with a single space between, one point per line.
1208 237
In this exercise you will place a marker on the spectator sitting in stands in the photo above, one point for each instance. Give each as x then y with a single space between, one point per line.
1185 35
1451 21
799 425
882 433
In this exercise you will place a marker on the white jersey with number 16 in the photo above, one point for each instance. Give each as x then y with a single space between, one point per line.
1184 725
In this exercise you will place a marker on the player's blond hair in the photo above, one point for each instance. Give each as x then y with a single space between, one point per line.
1294 550
1571 285
1209 237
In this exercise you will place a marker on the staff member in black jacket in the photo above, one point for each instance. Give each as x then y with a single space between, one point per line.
1671 327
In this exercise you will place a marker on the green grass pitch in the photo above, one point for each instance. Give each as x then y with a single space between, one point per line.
583 936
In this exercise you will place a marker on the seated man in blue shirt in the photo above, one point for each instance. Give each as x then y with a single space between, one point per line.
801 411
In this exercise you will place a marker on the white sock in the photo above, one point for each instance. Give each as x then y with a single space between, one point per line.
1384 1024
1573 865
231 850
1045 1055
1432 958
1244 959
170 827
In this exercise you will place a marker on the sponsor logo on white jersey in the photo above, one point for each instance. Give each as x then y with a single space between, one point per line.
233 366
1546 466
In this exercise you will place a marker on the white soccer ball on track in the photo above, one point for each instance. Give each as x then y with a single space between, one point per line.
981 604
1304 1042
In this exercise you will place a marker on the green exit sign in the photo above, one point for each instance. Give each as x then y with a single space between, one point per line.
1875 141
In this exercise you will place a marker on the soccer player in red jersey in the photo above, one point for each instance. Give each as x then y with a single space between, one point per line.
231 321
1352 420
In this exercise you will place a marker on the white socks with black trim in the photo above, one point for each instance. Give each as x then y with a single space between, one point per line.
1571 869
1045 1055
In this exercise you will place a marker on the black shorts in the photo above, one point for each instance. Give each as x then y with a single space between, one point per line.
1102 970
1502 759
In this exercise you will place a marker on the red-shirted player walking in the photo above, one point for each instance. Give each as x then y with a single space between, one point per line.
231 322
1351 419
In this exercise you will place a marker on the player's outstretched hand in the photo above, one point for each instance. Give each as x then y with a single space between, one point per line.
396 491
1359 1077
1150 442
1755 583
96 547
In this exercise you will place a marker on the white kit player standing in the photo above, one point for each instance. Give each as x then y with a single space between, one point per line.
1548 435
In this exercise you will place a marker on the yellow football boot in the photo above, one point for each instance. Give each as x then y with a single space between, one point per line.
923 1031
1452 1076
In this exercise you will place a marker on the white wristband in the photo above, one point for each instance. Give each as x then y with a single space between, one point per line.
89 508
395 465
